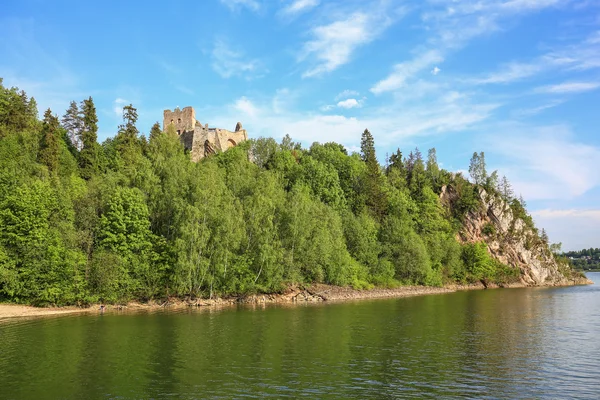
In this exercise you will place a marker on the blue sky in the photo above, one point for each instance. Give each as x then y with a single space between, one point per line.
517 79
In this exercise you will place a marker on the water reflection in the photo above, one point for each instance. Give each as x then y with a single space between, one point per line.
517 343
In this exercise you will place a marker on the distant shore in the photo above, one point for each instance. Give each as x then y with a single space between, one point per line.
313 293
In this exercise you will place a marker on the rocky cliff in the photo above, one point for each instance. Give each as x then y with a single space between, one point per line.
512 241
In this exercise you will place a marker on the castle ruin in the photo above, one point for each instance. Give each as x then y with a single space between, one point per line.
201 141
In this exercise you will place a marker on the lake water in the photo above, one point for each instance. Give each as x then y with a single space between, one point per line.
507 343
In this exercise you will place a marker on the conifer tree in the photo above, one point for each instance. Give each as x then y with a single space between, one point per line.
375 198
492 181
396 171
128 132
367 148
155 131
88 158
433 170
505 189
50 142
410 162
544 236
477 168
72 121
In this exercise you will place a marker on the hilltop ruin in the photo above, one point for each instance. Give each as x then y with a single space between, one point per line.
199 140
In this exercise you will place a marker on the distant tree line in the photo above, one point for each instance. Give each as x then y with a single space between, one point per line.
133 218
586 259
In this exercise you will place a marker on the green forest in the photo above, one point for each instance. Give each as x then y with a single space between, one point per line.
586 259
134 218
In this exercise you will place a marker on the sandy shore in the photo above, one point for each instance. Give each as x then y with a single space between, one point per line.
314 293
15 311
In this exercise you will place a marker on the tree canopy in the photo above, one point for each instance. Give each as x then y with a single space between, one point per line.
134 218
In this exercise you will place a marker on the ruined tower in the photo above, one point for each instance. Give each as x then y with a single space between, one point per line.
199 140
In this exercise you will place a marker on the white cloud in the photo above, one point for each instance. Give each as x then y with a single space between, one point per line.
547 161
536 110
435 71
228 62
119 103
299 6
349 103
395 121
575 228
571 213
569 87
185 90
346 94
235 5
333 44
246 107
406 70
510 73
454 22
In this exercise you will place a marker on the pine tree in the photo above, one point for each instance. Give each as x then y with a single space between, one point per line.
367 148
410 162
522 201
395 161
505 189
88 158
128 132
155 131
433 170
477 168
544 236
491 182
50 142
72 121
375 198
396 171
418 155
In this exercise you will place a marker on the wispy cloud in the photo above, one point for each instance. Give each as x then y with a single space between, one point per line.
299 6
236 5
228 62
569 87
332 45
168 67
510 73
551 163
246 107
406 70
570 213
527 112
118 105
185 90
346 94
390 123
575 228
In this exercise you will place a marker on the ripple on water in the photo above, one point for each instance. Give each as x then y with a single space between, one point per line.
487 344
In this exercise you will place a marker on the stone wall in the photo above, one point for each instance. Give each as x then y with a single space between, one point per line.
184 120
200 140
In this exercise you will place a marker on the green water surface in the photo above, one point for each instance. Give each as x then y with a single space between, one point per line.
506 343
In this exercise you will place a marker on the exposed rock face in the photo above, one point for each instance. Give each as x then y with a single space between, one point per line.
511 241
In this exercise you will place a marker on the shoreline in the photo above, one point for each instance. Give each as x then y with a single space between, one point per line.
293 295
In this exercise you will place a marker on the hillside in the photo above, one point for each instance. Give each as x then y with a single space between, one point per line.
512 239
134 219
